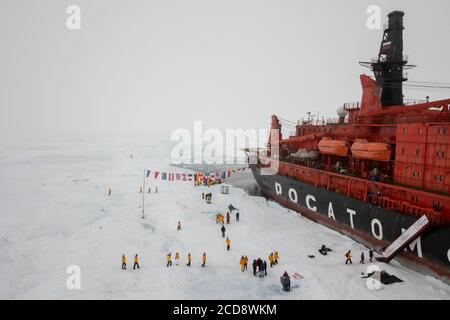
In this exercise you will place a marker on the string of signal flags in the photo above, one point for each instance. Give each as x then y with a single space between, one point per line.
193 177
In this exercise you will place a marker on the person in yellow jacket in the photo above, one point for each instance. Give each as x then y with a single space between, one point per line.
169 259
228 242
189 260
124 262
271 259
177 258
204 259
245 262
136 262
242 263
276 256
348 255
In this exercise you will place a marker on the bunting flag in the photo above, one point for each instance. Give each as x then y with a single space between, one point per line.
197 176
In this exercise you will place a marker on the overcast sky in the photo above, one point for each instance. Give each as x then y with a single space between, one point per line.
147 65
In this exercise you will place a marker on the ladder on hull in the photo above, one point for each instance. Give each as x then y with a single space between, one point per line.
411 234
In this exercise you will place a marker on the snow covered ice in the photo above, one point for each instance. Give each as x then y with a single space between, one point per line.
55 212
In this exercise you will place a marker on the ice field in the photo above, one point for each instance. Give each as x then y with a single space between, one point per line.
55 212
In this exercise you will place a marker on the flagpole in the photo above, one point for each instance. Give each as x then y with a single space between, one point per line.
143 196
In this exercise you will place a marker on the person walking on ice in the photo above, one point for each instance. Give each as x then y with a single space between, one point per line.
223 231
271 259
254 267
136 262
140 190
178 226
276 257
348 256
169 259
204 259
245 262
109 192
362 258
237 216
228 218
189 260
177 258
124 262
286 281
262 270
228 243
242 263
150 190
370 254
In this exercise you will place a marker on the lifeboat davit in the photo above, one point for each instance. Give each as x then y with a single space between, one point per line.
336 147
361 148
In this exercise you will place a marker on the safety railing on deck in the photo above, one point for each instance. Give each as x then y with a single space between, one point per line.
365 190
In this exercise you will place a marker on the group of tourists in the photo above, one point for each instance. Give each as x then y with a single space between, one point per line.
273 258
135 260
259 267
207 197
348 257
220 218
189 259
149 190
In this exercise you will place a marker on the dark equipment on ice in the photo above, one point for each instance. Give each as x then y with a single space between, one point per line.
385 278
324 250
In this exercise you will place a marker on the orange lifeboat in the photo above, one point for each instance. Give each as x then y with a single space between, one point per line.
361 148
336 147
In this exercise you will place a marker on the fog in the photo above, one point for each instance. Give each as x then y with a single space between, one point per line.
155 66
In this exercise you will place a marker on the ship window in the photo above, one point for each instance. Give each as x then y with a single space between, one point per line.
415 174
440 154
405 130
437 204
415 198
420 130
442 131
417 152
403 150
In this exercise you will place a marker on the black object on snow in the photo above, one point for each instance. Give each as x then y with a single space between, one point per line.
385 278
